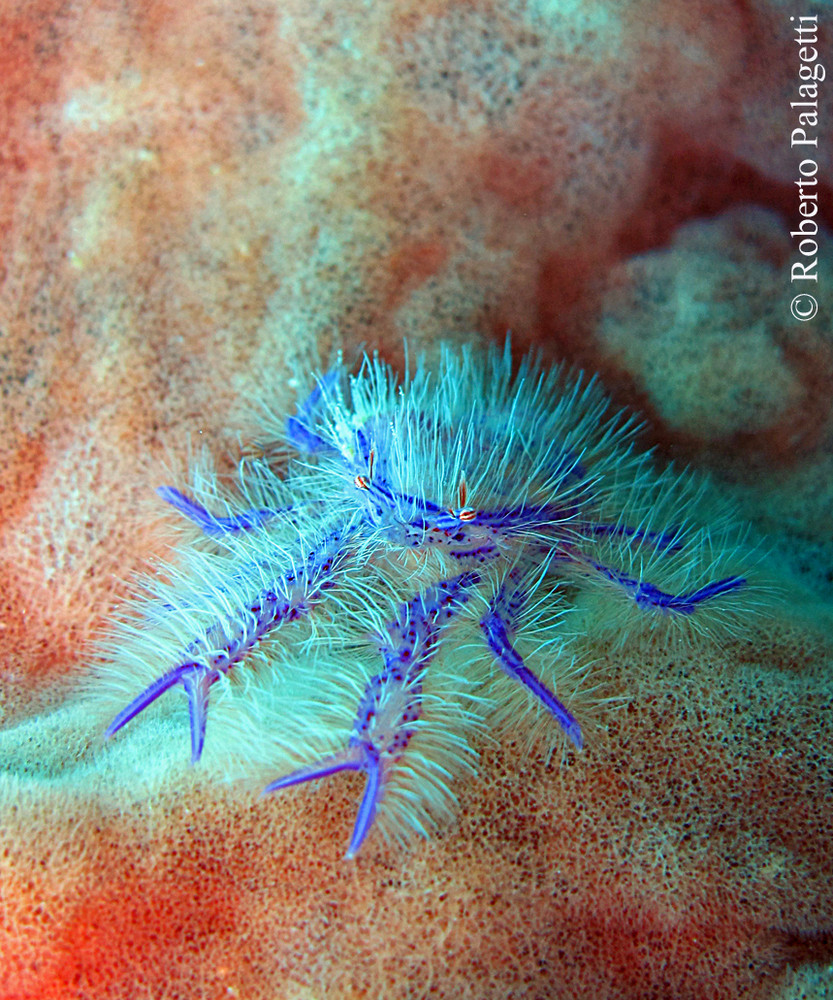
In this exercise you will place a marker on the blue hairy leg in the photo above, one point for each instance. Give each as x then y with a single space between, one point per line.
299 427
646 596
211 524
501 620
392 702
225 644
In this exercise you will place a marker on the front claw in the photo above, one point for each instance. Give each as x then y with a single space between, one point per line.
357 758
197 679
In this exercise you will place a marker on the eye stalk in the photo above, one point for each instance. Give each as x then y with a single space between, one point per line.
363 482
462 512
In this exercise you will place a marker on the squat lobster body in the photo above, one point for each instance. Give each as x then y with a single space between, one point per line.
423 535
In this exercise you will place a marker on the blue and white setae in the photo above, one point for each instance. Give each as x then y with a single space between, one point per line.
407 572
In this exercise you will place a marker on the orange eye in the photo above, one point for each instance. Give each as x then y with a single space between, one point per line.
361 483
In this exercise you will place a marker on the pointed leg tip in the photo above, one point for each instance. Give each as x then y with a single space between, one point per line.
197 746
120 722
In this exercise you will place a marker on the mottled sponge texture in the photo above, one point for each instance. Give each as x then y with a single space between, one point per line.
201 203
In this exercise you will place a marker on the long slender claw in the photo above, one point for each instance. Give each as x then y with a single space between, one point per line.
197 680
326 767
357 758
370 800
147 697
197 684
